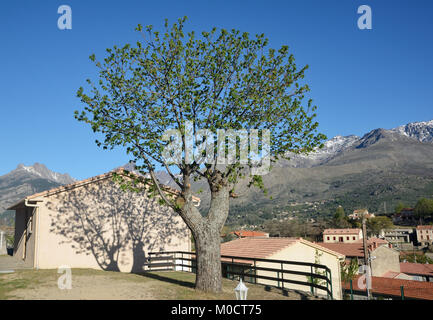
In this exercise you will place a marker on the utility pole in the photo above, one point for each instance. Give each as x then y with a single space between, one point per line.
366 257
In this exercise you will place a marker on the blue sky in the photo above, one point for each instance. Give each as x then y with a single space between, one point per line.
360 79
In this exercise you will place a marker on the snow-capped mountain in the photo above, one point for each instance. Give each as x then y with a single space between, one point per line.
422 131
42 171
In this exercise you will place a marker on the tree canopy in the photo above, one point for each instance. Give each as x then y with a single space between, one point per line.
212 106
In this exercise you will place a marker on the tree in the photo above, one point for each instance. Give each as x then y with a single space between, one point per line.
317 271
374 225
424 207
173 100
349 270
400 206
340 219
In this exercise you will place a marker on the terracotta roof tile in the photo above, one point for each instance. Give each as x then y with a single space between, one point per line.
416 268
424 227
347 249
262 248
341 231
88 181
391 287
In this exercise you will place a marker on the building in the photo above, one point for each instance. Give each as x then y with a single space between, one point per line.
341 235
354 250
405 217
359 214
424 235
287 249
388 288
94 224
418 271
400 238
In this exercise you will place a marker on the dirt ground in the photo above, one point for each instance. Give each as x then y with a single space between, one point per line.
103 285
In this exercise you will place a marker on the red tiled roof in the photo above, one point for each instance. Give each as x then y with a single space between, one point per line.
416 268
391 287
262 248
248 233
424 227
347 249
341 231
88 181
372 241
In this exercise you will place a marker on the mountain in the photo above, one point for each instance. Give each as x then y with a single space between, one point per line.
375 171
27 180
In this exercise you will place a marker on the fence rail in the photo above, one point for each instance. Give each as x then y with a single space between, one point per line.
249 269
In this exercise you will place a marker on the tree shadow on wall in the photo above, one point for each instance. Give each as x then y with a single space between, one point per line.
105 221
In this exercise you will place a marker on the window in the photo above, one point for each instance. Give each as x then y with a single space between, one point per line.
347 238
354 238
327 238
334 238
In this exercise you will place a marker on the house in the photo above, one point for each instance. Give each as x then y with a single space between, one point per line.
95 224
355 250
248 233
400 238
287 249
391 289
342 235
360 213
418 271
405 216
424 235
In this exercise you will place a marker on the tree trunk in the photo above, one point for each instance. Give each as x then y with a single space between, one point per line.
208 277
207 236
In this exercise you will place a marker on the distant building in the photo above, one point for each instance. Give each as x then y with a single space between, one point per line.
405 216
418 271
355 250
424 235
358 214
400 238
342 235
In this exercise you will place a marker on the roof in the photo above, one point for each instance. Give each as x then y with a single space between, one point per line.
391 287
248 233
360 211
393 274
262 248
373 241
85 182
416 268
341 231
347 249
425 227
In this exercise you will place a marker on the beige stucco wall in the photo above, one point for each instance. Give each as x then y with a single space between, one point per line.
303 253
102 227
386 259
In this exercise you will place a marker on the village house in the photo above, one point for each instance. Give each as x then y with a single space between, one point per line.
392 289
342 235
359 214
94 224
400 238
424 235
405 217
355 250
287 249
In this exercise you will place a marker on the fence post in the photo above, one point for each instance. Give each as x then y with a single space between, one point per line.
312 281
282 276
351 290
402 292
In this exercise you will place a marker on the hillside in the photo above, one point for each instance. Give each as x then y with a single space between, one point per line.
24 181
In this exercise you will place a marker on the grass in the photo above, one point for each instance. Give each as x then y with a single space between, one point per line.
158 285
